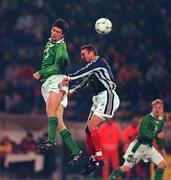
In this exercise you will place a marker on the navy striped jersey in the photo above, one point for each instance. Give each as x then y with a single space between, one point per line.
97 74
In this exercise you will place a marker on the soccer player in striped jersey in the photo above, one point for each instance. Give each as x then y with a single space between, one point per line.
142 147
97 73
55 62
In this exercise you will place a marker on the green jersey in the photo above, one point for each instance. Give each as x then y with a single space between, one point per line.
55 59
149 129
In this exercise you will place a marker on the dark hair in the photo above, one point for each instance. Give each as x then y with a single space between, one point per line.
62 24
90 47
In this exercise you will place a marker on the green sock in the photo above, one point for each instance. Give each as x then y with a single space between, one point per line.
69 141
116 173
52 126
158 174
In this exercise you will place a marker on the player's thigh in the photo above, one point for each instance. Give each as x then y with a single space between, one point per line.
94 122
89 117
51 84
51 92
105 104
54 100
60 97
156 157
101 103
132 158
59 114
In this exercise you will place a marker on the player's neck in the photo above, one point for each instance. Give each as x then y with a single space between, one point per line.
156 117
57 41
94 58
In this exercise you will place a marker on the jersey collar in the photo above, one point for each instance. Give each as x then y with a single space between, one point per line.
155 117
95 59
56 41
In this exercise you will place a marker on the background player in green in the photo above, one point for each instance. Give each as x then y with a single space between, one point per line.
142 147
55 62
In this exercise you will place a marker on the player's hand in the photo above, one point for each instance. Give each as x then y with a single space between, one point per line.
36 76
69 94
65 82
160 135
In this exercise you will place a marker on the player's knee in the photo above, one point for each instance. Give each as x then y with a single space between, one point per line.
51 112
125 169
92 126
61 126
162 165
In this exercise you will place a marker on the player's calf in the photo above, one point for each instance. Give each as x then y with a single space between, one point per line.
162 165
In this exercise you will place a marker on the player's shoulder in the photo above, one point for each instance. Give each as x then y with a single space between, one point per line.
64 45
161 121
148 116
101 62
48 42
61 45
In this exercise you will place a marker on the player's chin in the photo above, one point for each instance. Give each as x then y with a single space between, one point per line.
158 115
53 38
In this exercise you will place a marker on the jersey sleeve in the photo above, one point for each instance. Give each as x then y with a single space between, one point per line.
47 72
60 63
80 84
160 141
145 129
83 72
161 125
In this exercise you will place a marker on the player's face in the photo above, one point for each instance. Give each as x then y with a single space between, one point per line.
56 34
85 55
157 110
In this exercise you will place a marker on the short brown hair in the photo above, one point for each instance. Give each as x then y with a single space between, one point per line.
157 101
62 24
89 47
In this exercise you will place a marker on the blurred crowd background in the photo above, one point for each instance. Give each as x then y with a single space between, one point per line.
138 50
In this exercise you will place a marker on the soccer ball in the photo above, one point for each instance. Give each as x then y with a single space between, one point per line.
103 26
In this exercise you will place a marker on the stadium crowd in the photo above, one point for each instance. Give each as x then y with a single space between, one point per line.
22 167
138 49
115 140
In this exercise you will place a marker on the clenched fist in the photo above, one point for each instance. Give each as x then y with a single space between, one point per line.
36 76
65 82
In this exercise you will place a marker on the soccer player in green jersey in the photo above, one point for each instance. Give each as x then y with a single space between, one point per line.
142 147
55 62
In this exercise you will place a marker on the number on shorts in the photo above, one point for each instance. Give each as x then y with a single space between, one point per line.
131 159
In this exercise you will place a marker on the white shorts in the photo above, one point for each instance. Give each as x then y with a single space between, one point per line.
53 84
144 152
105 104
